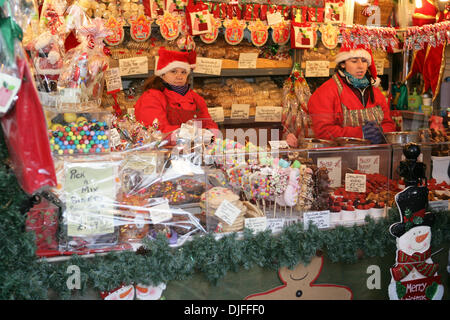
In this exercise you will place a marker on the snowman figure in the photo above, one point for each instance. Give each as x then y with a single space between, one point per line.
414 276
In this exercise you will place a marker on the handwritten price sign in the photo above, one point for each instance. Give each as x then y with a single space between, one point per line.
369 164
355 182
334 167
317 69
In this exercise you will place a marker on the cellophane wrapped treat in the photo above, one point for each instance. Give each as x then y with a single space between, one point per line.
82 77
129 134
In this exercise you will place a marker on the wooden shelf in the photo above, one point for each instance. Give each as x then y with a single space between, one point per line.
249 72
229 73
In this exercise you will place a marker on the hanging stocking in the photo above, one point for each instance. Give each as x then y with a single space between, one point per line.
26 136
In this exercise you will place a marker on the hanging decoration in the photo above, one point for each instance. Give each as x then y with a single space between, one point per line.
281 32
234 30
157 8
169 26
329 35
418 37
141 29
116 31
259 32
334 11
375 37
210 37
186 42
198 18
176 6
303 37
315 14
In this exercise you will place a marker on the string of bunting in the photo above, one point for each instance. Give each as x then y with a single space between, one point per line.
304 17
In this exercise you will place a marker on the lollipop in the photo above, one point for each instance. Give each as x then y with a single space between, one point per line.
291 193
278 183
305 197
260 187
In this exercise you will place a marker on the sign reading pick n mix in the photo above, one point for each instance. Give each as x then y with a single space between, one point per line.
90 205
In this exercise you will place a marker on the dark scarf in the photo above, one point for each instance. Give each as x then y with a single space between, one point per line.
178 89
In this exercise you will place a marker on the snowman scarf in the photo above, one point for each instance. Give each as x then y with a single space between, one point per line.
406 263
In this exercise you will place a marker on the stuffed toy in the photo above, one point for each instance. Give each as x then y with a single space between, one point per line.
47 55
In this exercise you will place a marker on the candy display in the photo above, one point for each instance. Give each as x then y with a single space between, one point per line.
128 134
123 182
72 133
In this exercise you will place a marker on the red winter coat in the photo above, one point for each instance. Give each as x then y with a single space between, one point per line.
172 109
336 111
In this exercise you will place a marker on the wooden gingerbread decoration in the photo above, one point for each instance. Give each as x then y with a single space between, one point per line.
298 284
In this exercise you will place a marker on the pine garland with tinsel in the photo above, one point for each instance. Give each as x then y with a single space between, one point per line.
22 276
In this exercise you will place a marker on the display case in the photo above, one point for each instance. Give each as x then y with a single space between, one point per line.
329 186
116 201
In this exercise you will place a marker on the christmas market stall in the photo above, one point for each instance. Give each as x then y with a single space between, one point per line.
290 175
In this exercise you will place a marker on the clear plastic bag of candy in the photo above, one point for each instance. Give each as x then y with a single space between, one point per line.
127 134
81 82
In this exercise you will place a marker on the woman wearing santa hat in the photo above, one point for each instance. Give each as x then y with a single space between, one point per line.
168 97
350 104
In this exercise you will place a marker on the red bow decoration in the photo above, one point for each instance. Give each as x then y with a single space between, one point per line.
420 213
416 260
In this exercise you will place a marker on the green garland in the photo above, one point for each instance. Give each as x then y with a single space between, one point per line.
22 276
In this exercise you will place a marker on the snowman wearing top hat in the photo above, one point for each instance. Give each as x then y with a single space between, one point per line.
414 276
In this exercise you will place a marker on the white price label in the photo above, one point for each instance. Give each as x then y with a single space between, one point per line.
240 111
317 69
355 182
247 60
208 66
115 137
268 114
369 164
275 224
131 66
216 114
440 205
334 167
256 224
113 80
160 213
319 218
282 144
227 212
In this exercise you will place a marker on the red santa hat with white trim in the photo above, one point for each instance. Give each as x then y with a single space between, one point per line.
169 60
347 52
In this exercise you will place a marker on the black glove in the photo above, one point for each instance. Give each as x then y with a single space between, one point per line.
373 132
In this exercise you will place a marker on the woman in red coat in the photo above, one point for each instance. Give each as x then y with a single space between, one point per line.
168 97
350 104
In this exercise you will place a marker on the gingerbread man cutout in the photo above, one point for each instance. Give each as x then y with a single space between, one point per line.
299 284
